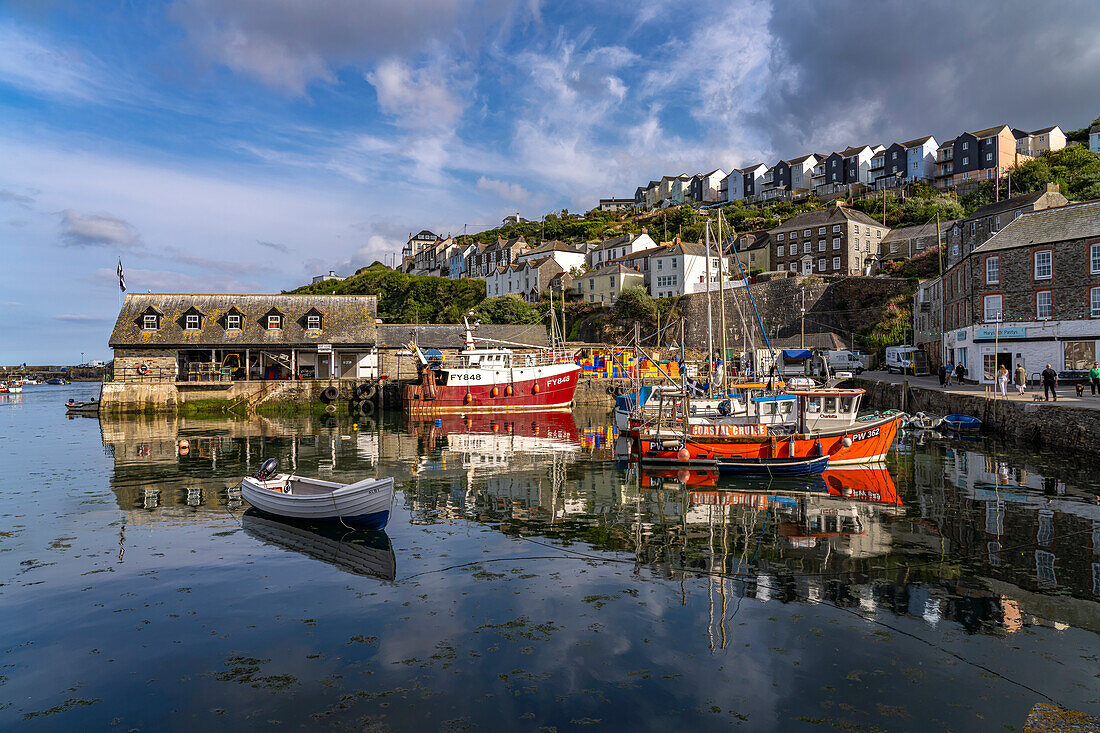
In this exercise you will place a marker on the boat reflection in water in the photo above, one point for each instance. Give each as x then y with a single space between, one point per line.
362 552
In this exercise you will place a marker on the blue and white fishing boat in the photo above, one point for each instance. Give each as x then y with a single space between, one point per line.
363 504
964 424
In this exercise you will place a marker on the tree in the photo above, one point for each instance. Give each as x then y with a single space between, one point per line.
635 304
506 309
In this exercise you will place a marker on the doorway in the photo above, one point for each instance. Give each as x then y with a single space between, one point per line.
1004 359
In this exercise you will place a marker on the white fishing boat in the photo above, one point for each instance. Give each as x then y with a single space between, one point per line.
364 504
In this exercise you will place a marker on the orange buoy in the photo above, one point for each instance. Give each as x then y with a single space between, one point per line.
508 390
496 391
683 455
468 398
536 389
496 428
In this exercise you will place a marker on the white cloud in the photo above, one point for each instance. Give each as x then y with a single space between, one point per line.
97 230
420 98
507 191
35 67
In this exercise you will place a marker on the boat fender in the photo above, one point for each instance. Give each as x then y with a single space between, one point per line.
328 394
682 455
468 398
508 390
846 441
536 389
184 445
267 469
817 450
330 409
143 368
724 408
611 390
495 392
366 407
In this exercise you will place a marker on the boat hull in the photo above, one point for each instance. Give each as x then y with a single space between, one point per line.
538 388
866 443
365 504
774 466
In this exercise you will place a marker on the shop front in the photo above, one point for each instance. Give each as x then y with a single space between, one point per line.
1070 347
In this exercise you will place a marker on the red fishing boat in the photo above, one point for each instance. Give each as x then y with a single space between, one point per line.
827 425
493 380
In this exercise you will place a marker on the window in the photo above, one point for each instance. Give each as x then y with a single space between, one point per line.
661 262
779 237
1043 306
821 245
992 308
821 230
894 155
807 247
989 156
793 249
1080 355
836 265
1094 259
612 281
992 270
674 264
966 145
233 322
821 265
274 322
313 322
836 228
149 323
794 267
893 247
1043 268
191 322
989 366
836 242
966 160
1094 302
806 233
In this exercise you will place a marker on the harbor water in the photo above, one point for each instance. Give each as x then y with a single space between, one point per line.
529 580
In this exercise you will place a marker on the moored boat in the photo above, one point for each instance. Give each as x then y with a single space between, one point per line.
91 405
964 424
493 380
807 466
365 503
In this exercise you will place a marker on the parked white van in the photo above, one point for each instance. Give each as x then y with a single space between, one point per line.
845 361
906 360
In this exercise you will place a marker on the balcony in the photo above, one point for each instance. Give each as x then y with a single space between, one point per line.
879 162
943 156
818 171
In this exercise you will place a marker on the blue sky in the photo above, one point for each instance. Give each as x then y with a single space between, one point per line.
245 145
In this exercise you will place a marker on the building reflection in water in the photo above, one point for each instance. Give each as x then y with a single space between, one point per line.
951 532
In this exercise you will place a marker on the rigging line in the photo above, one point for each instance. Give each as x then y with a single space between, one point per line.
752 300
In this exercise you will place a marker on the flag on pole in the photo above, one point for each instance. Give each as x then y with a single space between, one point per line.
121 277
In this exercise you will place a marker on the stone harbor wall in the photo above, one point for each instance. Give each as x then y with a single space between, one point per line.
1034 423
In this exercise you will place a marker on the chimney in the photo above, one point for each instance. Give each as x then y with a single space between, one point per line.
645 230
1052 187
332 273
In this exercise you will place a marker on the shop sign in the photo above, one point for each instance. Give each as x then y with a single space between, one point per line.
324 348
1004 333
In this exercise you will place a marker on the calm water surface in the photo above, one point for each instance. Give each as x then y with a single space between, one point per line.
526 581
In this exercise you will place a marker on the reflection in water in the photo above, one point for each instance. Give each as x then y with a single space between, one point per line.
951 536
358 551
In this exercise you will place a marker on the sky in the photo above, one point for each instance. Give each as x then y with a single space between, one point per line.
247 145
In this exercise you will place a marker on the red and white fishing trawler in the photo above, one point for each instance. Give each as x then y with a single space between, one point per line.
493 380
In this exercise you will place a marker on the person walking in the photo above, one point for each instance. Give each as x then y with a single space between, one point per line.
942 373
1002 380
1094 377
1021 378
960 370
950 372
1050 382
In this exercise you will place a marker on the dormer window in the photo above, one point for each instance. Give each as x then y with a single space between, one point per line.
274 322
313 322
233 322
191 322
149 322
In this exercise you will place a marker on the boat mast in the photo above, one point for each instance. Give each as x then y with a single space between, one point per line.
710 319
722 302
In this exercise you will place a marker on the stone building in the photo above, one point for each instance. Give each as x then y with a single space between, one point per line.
832 241
965 234
1029 295
169 338
906 242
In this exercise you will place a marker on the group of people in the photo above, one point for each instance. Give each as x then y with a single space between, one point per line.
946 372
1048 378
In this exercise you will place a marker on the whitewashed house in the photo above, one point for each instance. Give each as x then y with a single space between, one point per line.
680 268
565 255
616 247
802 171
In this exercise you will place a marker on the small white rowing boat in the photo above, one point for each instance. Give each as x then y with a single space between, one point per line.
364 504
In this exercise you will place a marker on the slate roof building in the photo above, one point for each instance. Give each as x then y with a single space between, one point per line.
1030 295
161 337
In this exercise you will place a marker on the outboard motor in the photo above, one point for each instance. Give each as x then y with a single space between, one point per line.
724 408
267 469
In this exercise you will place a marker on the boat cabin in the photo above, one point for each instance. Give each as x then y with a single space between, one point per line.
825 409
486 359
